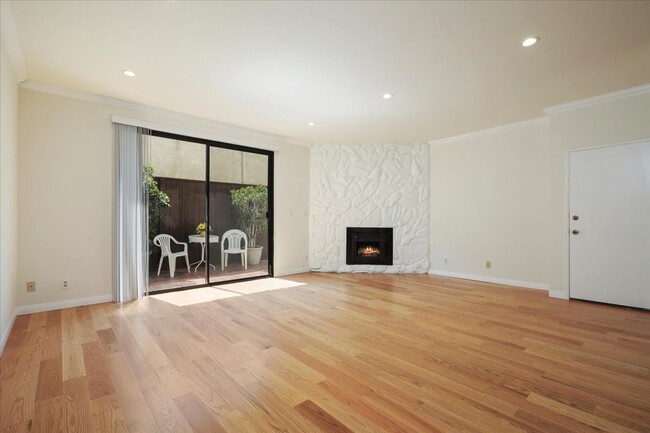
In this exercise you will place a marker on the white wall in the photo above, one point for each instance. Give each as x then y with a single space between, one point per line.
501 196
497 196
291 208
610 121
379 185
66 178
8 194
582 126
65 166
489 202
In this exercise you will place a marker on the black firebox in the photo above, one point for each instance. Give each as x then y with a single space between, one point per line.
369 246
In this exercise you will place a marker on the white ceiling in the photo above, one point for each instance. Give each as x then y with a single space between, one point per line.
454 67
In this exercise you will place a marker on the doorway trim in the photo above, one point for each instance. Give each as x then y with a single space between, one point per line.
567 203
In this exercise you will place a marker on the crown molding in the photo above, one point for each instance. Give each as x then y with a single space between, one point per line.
490 131
11 42
633 91
193 132
580 103
216 130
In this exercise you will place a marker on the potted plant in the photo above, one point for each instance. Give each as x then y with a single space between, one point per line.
201 229
251 204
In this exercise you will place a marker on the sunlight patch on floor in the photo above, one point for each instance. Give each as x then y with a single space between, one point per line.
183 298
261 285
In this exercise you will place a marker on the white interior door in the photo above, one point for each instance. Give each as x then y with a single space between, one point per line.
609 228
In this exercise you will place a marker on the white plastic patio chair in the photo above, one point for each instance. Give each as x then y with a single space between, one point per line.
234 240
164 242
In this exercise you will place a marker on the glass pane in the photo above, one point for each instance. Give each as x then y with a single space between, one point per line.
178 172
238 214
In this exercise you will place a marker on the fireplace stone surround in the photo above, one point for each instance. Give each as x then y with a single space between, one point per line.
369 185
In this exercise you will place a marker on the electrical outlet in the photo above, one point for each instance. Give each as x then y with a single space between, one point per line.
65 284
445 259
31 286
488 264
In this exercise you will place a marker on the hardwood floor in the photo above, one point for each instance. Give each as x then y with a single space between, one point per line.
343 353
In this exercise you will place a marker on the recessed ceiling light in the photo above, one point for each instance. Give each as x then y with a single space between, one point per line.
387 95
129 73
530 41
311 124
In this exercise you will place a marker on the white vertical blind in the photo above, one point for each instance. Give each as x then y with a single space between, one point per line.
131 243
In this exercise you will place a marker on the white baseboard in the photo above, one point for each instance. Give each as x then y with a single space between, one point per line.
560 294
525 284
284 272
5 336
58 305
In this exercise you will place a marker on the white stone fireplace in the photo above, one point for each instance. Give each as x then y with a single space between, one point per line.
369 185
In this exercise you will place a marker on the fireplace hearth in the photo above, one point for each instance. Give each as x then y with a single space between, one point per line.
369 246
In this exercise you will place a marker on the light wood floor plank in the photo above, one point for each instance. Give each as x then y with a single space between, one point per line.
137 415
97 372
77 411
107 415
49 415
50 379
197 414
165 412
363 353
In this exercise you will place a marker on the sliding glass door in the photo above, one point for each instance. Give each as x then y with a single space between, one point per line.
239 214
213 210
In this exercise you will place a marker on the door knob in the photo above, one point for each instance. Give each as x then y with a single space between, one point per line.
575 217
575 232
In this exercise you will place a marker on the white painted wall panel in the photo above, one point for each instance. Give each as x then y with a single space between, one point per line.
489 202
66 177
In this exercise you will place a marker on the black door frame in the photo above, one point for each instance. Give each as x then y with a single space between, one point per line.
270 214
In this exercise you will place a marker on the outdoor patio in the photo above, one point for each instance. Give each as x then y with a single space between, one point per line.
182 278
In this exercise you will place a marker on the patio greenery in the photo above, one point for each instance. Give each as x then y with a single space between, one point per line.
251 204
156 199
